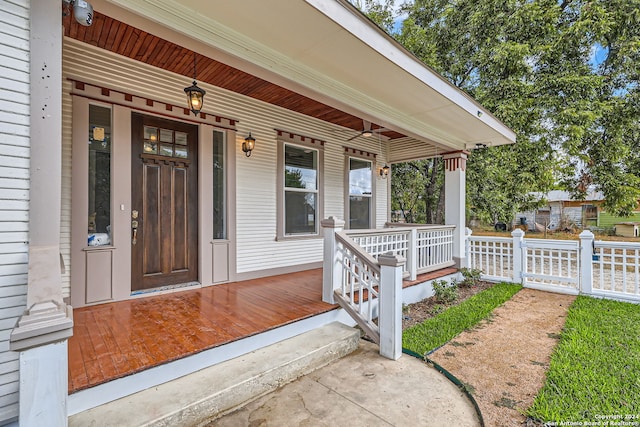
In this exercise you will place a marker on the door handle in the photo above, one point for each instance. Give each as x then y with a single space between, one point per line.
134 232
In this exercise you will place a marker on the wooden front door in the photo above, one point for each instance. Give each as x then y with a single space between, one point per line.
164 196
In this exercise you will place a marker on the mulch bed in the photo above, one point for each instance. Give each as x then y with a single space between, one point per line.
416 313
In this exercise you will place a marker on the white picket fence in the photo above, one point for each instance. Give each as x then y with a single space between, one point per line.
600 268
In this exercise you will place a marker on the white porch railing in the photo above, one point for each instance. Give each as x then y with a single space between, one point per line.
600 268
363 272
425 247
358 292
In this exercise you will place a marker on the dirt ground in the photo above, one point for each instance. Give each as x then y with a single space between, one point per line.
504 359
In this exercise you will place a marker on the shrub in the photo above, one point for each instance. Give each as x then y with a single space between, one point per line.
471 277
444 292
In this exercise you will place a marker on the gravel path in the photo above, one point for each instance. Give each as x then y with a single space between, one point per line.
504 359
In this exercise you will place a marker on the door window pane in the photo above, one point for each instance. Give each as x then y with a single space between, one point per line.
165 142
166 150
180 152
219 187
181 138
166 135
99 212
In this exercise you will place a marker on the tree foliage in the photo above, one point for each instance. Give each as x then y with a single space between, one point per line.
562 74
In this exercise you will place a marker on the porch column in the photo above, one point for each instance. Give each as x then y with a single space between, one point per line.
455 165
41 333
331 264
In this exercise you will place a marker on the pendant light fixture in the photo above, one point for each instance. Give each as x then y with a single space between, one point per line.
195 95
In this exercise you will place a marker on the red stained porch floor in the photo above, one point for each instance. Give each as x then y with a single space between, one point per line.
121 338
117 339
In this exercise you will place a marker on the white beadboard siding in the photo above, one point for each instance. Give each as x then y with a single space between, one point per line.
14 190
405 149
257 248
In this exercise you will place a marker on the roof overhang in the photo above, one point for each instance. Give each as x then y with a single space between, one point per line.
329 51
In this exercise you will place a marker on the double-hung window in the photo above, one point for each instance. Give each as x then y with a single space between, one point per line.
300 198
360 203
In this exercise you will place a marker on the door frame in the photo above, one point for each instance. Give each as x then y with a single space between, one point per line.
205 169
120 250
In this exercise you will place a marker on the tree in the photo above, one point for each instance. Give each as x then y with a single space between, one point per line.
562 74
416 189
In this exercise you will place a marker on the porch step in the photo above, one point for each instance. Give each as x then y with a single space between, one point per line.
193 399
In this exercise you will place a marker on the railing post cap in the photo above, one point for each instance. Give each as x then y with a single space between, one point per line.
587 235
332 222
390 259
517 233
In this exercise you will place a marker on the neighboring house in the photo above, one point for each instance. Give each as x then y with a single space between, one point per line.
100 156
561 211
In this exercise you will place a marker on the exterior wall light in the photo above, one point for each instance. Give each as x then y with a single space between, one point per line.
248 145
195 95
384 171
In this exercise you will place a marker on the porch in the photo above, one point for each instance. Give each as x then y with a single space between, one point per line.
112 342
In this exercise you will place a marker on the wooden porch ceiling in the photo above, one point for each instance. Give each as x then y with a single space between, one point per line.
123 39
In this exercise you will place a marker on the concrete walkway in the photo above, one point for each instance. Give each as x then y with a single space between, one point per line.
361 389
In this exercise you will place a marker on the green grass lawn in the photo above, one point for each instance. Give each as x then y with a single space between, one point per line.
595 369
436 331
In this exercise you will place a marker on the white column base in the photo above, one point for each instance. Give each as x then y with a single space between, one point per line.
43 385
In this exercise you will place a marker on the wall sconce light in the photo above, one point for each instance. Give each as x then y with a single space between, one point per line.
248 145
195 95
384 171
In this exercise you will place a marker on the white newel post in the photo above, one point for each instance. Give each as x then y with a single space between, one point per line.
518 259
390 308
331 263
467 247
586 261
455 165
40 335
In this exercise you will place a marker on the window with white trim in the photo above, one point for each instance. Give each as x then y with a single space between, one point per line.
300 190
360 190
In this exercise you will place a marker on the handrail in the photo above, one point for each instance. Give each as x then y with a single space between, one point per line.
369 260
372 231
359 287
417 225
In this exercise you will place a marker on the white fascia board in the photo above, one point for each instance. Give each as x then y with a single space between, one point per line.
339 11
